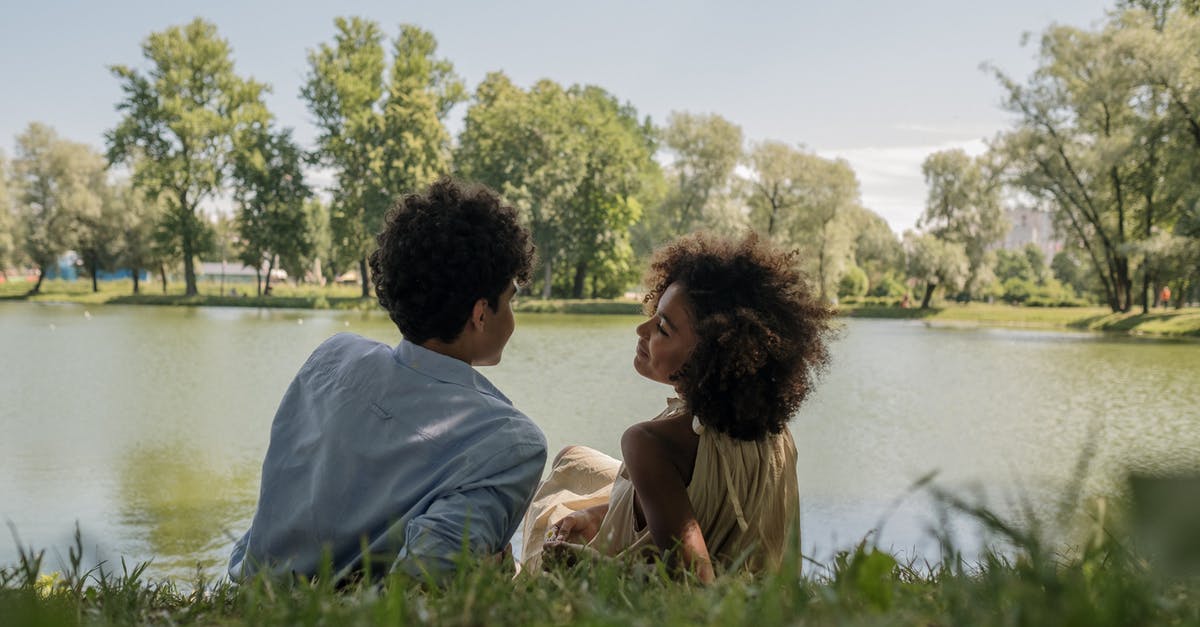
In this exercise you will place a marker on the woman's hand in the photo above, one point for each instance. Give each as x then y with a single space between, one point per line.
556 554
578 527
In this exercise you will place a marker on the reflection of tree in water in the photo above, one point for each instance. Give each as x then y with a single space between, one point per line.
185 507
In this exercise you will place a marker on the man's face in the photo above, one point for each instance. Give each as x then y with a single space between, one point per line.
497 328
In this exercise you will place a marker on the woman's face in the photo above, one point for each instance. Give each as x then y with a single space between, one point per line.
666 339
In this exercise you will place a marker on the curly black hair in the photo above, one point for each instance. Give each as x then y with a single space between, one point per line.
761 332
441 251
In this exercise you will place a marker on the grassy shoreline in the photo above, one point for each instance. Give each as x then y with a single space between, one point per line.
1164 323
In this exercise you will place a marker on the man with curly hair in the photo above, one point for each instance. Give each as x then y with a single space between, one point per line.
396 458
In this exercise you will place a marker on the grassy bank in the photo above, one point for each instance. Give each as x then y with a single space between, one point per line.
1158 323
1101 584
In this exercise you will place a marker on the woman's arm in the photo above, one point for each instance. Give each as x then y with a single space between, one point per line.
661 492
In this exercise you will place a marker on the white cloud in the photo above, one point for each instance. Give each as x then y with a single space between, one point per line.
892 183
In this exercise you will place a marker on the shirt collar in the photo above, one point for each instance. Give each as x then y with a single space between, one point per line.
444 368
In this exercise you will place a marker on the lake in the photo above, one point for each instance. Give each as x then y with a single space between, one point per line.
147 426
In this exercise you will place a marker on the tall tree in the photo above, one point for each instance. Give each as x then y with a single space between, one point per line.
1099 137
703 150
57 185
963 207
935 263
422 89
8 223
523 143
617 152
179 121
139 222
269 189
343 91
574 161
100 236
804 200
385 136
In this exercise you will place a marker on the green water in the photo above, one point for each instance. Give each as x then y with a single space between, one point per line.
147 425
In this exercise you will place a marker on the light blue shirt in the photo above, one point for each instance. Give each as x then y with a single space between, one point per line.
403 450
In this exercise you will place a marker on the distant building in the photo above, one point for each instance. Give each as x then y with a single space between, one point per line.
235 272
1031 226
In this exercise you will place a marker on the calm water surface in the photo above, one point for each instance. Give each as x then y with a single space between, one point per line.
148 425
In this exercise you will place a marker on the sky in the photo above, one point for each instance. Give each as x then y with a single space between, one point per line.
879 83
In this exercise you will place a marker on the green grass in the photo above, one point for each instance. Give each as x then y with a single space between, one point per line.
1159 322
1102 583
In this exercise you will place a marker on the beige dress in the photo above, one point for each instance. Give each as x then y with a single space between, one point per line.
744 495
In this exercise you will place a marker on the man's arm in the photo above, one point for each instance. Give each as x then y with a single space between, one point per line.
482 514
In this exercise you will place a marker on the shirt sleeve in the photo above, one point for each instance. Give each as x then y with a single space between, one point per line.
479 516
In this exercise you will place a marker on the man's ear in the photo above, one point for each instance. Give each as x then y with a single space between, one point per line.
477 313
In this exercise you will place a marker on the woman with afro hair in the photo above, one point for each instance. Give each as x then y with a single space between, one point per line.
736 331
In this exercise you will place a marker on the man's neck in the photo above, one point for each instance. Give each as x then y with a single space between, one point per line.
455 349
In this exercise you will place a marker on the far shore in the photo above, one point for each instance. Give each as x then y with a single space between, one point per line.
1162 323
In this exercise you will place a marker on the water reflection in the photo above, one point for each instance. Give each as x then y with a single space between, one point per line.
184 506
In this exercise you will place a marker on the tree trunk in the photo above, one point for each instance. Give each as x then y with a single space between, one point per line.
189 265
580 279
929 287
258 281
267 280
162 272
366 283
37 287
548 279
136 271
95 284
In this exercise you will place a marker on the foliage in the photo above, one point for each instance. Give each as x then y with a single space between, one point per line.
703 150
936 263
574 162
853 283
808 202
1108 135
178 127
270 191
58 185
383 135
9 237
963 207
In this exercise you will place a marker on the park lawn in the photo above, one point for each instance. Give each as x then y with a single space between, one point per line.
1159 322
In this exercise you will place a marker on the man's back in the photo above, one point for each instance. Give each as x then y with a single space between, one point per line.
403 447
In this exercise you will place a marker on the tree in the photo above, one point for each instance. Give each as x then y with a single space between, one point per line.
8 224
99 238
384 138
935 263
139 222
963 207
179 121
1105 136
574 161
704 150
343 90
270 192
804 200
522 144
877 250
57 184
617 151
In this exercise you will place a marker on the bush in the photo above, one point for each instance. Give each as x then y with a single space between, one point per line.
1017 290
853 283
889 287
